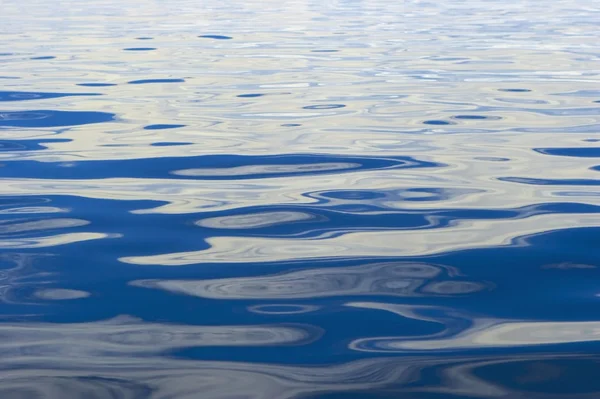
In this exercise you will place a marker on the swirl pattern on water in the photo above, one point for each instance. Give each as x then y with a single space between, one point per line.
299 199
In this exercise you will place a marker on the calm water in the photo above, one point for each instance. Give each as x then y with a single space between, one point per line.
339 199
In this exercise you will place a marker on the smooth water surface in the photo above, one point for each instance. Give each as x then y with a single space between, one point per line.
300 199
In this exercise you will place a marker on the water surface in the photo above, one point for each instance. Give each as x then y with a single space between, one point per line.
299 199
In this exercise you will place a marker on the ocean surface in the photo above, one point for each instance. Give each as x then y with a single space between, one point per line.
299 199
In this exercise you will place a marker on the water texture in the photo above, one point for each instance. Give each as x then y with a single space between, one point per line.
299 199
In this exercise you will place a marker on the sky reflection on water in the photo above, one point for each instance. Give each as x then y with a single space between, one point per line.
299 199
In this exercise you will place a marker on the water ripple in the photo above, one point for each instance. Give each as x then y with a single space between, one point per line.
52 118
299 199
210 167
389 279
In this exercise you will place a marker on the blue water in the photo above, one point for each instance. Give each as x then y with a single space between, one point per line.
299 199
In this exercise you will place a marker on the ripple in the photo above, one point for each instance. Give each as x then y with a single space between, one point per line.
516 90
282 309
392 279
127 335
254 220
475 117
16 226
49 118
149 81
437 122
275 169
478 334
324 106
297 164
213 167
216 37
28 145
460 235
60 294
551 182
30 95
96 84
168 144
80 387
140 49
568 265
163 126
582 152
252 95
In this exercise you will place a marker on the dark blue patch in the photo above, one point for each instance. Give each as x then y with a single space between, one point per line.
515 90
48 57
437 122
250 95
159 127
551 182
168 144
28 145
31 95
144 38
217 37
96 84
324 106
582 152
139 49
291 124
52 118
145 81
471 117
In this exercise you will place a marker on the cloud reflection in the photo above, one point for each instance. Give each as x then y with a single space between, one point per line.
255 220
25 233
119 359
388 278
460 235
461 331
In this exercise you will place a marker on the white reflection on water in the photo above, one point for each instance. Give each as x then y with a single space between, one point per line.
120 359
255 220
461 331
393 279
462 234
25 233
128 336
16 226
60 294
267 169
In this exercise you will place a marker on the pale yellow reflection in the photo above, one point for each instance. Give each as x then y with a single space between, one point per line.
268 169
129 335
463 234
254 220
461 331
126 357
388 278
53 240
